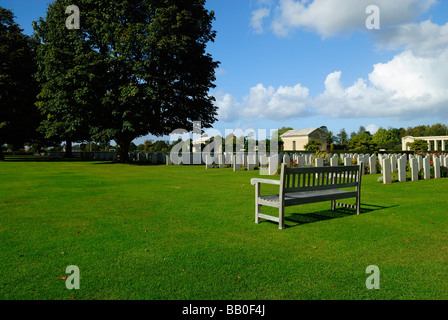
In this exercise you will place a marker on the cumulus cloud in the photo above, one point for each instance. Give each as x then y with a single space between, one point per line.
330 17
265 103
423 39
407 87
283 103
228 107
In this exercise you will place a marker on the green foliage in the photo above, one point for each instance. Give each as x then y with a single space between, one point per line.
313 145
437 129
150 74
418 145
386 139
342 137
18 115
362 142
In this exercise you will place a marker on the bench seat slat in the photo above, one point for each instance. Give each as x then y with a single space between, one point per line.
308 197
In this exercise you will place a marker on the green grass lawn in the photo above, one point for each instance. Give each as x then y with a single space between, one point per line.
183 232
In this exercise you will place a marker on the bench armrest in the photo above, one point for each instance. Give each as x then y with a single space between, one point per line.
254 181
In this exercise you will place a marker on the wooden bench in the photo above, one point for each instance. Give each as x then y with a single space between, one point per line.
309 185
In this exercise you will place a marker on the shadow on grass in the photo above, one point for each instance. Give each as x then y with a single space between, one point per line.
298 219
42 159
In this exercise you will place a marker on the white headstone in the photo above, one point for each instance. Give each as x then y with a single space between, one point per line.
387 177
287 160
372 164
347 161
402 170
221 161
437 172
334 161
319 162
273 164
393 163
263 161
208 161
251 159
420 162
426 168
414 169
235 164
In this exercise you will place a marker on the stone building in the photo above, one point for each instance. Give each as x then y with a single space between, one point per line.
295 140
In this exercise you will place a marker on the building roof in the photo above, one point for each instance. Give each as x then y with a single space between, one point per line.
298 132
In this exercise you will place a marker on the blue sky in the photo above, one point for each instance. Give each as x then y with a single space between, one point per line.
308 63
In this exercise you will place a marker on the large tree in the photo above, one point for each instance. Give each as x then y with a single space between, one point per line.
146 65
18 115
69 77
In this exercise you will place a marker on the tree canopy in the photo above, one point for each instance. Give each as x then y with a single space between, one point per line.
138 67
18 115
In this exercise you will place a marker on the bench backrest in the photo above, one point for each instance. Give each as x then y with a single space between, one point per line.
319 178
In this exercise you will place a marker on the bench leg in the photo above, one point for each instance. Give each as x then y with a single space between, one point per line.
333 205
358 205
281 217
257 206
257 212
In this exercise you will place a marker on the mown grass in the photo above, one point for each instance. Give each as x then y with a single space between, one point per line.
183 232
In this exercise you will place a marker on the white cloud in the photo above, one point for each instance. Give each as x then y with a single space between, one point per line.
228 107
265 103
407 87
372 128
330 17
280 104
423 39
258 16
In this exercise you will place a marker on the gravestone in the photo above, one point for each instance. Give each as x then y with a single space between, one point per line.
414 169
402 170
273 164
208 161
319 162
372 164
168 160
300 161
437 172
426 168
221 161
263 161
387 177
334 161
347 161
393 163
287 160
420 162
251 159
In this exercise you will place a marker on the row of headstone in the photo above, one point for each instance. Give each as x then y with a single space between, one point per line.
417 163
389 163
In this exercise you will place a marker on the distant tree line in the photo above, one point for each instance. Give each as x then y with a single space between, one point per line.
364 141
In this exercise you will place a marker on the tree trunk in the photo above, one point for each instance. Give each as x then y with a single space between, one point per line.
123 150
68 149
